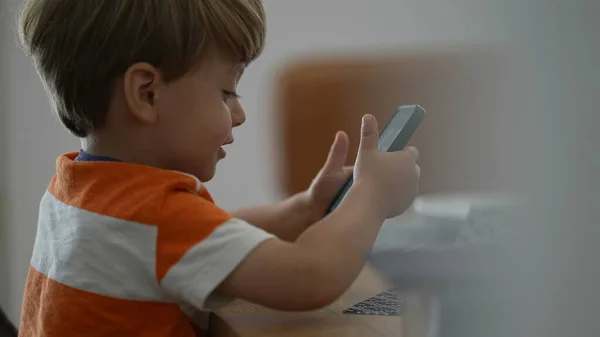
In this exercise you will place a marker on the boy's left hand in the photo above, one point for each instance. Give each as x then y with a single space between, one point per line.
331 178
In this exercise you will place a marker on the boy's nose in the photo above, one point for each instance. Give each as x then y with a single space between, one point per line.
238 117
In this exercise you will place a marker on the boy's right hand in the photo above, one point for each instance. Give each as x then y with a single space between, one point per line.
392 178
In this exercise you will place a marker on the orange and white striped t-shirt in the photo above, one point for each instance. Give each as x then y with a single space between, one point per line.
129 250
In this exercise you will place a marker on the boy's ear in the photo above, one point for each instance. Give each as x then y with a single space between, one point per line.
141 83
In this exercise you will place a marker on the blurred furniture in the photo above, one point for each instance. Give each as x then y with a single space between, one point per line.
460 87
242 319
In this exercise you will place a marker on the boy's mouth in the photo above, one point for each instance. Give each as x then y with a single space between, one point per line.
222 153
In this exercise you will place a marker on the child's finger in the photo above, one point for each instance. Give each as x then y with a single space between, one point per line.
338 152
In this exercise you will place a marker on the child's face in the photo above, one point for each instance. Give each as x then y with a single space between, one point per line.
196 114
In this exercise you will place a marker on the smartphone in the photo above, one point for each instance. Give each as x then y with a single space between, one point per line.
394 137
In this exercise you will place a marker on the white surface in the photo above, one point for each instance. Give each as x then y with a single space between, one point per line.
414 232
457 206
436 221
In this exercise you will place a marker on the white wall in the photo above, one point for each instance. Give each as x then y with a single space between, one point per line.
3 251
34 138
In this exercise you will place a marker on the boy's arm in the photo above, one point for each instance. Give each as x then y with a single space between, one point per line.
319 267
286 219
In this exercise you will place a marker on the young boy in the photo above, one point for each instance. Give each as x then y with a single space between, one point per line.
129 241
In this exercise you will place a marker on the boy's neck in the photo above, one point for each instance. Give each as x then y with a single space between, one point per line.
120 149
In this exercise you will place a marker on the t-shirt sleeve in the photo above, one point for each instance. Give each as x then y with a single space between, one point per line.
198 246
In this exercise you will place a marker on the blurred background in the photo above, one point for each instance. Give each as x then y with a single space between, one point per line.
509 88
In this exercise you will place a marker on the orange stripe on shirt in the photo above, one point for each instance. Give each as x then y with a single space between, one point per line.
52 309
125 191
187 221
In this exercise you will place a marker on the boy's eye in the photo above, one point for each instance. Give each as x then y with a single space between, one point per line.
227 95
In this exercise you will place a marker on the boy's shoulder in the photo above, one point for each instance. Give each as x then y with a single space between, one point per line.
131 192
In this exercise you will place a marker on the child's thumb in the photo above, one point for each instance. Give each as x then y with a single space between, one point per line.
369 138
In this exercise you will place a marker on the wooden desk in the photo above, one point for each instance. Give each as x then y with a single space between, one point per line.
241 319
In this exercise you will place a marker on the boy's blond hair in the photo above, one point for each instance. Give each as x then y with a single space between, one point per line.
80 47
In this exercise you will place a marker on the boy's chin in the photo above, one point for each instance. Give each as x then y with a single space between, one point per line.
207 175
204 173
